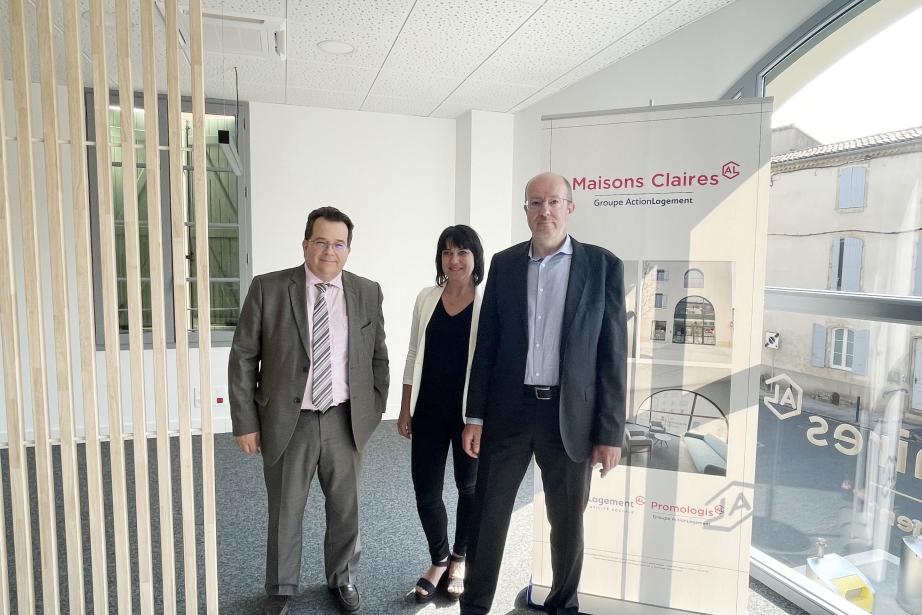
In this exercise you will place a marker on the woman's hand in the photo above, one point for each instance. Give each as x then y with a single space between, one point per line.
403 424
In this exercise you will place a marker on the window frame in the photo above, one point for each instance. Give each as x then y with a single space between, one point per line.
699 272
219 337
848 337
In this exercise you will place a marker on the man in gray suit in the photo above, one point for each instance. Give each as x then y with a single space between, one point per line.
308 375
547 380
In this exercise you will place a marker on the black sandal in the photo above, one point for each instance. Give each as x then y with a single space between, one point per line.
426 585
455 586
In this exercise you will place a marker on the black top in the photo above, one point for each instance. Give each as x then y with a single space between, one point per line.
441 386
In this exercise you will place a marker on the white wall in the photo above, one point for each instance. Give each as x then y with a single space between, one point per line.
393 175
697 63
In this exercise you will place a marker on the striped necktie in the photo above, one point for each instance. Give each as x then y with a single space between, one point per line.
322 385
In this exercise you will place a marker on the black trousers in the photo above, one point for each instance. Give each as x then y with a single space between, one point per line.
506 450
434 431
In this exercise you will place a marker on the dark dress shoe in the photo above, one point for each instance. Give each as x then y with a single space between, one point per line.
347 596
275 605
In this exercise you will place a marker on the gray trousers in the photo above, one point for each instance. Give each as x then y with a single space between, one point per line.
321 444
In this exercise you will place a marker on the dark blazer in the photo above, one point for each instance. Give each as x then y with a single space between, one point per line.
267 370
593 348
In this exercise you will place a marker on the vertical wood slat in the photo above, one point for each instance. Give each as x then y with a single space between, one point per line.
203 301
12 370
110 311
34 310
86 318
59 299
158 318
180 307
135 318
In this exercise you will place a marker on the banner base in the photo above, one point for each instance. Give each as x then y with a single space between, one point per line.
600 605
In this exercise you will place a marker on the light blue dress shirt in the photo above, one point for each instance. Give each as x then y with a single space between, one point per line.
548 278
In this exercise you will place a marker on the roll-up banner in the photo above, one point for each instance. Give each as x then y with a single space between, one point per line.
680 194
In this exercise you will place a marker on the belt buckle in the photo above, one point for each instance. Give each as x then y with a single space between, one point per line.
543 393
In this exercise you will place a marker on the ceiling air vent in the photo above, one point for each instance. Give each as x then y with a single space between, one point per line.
234 33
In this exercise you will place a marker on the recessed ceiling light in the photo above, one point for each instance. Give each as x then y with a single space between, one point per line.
339 48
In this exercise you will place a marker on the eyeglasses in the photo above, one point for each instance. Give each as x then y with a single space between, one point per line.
554 202
323 245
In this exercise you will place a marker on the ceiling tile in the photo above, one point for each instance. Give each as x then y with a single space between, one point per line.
485 23
490 96
406 106
385 16
432 56
398 84
507 66
319 76
324 98
556 32
371 47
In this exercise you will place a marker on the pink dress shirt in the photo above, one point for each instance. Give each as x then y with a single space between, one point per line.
339 338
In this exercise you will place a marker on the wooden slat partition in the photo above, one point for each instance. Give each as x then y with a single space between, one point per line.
59 300
135 318
181 307
86 319
158 317
12 387
110 309
203 300
34 309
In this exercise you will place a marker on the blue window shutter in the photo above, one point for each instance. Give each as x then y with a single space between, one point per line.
834 273
818 355
851 265
851 187
918 289
860 360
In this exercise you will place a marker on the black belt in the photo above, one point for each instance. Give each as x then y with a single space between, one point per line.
540 392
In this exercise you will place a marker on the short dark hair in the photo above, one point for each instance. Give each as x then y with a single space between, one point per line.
331 214
466 238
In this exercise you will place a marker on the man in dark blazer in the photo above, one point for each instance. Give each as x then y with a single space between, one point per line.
548 379
308 375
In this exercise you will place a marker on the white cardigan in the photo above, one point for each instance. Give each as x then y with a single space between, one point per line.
426 301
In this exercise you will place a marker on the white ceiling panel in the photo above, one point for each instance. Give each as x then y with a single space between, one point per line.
490 96
406 106
507 66
318 76
371 47
413 85
324 98
486 23
418 57
371 15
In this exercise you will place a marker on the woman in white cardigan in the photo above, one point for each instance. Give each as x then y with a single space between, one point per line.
435 382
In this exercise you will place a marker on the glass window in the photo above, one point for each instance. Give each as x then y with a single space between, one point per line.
659 330
662 275
659 300
227 257
843 348
694 278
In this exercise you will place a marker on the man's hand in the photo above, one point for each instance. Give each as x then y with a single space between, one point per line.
470 440
248 443
608 456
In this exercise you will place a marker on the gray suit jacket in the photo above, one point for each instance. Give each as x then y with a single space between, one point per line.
593 349
269 360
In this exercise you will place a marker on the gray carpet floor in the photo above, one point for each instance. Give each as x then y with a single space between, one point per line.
394 548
